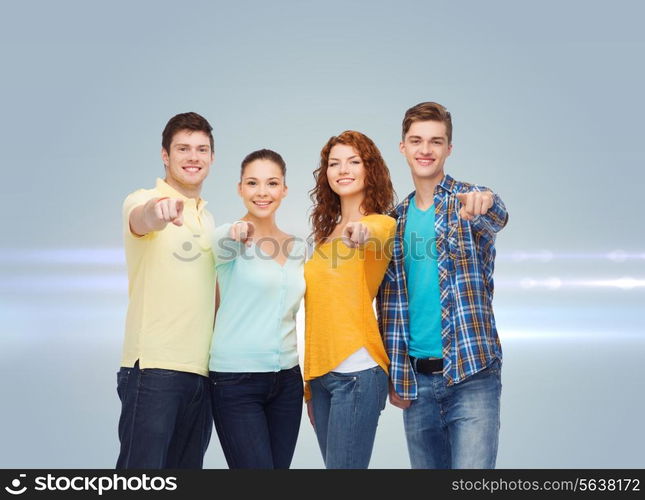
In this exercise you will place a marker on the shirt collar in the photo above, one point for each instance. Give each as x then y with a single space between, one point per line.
167 190
447 184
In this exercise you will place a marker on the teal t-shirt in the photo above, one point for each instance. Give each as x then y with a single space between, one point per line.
420 262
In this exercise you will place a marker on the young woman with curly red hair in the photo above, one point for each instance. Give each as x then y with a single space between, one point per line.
345 361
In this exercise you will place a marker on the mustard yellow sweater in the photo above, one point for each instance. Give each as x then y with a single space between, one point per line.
341 285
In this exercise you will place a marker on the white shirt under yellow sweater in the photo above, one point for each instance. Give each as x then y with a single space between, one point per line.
171 288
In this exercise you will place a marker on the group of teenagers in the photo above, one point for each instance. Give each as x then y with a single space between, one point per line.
398 303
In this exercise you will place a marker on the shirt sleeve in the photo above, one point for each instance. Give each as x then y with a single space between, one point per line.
307 391
225 248
382 229
132 201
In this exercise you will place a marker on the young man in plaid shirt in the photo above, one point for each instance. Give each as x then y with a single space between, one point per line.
435 305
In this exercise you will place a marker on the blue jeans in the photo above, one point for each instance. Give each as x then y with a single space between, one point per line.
257 417
346 410
166 420
455 427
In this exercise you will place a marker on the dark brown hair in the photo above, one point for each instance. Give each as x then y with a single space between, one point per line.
185 121
379 193
427 111
264 154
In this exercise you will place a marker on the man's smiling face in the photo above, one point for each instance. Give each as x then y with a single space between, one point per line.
189 159
426 148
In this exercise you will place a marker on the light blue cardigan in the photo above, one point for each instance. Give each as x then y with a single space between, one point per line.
255 329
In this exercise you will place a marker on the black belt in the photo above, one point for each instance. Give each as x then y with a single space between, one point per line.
427 366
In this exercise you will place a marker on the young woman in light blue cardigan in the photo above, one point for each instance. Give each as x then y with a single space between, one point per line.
257 387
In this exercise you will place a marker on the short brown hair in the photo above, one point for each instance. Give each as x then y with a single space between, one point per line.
428 111
185 121
264 154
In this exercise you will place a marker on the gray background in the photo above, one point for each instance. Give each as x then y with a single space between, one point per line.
547 105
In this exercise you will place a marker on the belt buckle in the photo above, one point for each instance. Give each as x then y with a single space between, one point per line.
441 370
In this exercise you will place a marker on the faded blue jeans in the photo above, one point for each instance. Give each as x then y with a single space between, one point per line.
346 410
455 427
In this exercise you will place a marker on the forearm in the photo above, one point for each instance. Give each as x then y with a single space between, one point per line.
144 220
138 224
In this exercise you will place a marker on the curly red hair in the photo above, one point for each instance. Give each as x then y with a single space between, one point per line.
379 193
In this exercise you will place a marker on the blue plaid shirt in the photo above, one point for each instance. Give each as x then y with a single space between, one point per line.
466 258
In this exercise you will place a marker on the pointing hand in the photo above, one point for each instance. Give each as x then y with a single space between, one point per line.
474 203
158 212
355 234
242 231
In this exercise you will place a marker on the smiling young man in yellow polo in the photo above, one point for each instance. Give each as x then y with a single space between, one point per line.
163 386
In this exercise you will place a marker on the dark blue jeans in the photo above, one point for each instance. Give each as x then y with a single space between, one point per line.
257 417
166 420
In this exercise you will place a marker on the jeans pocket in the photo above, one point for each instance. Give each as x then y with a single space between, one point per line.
382 385
295 371
228 378
160 372
495 367
344 376
122 377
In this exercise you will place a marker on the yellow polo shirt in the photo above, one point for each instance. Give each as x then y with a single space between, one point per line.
171 288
